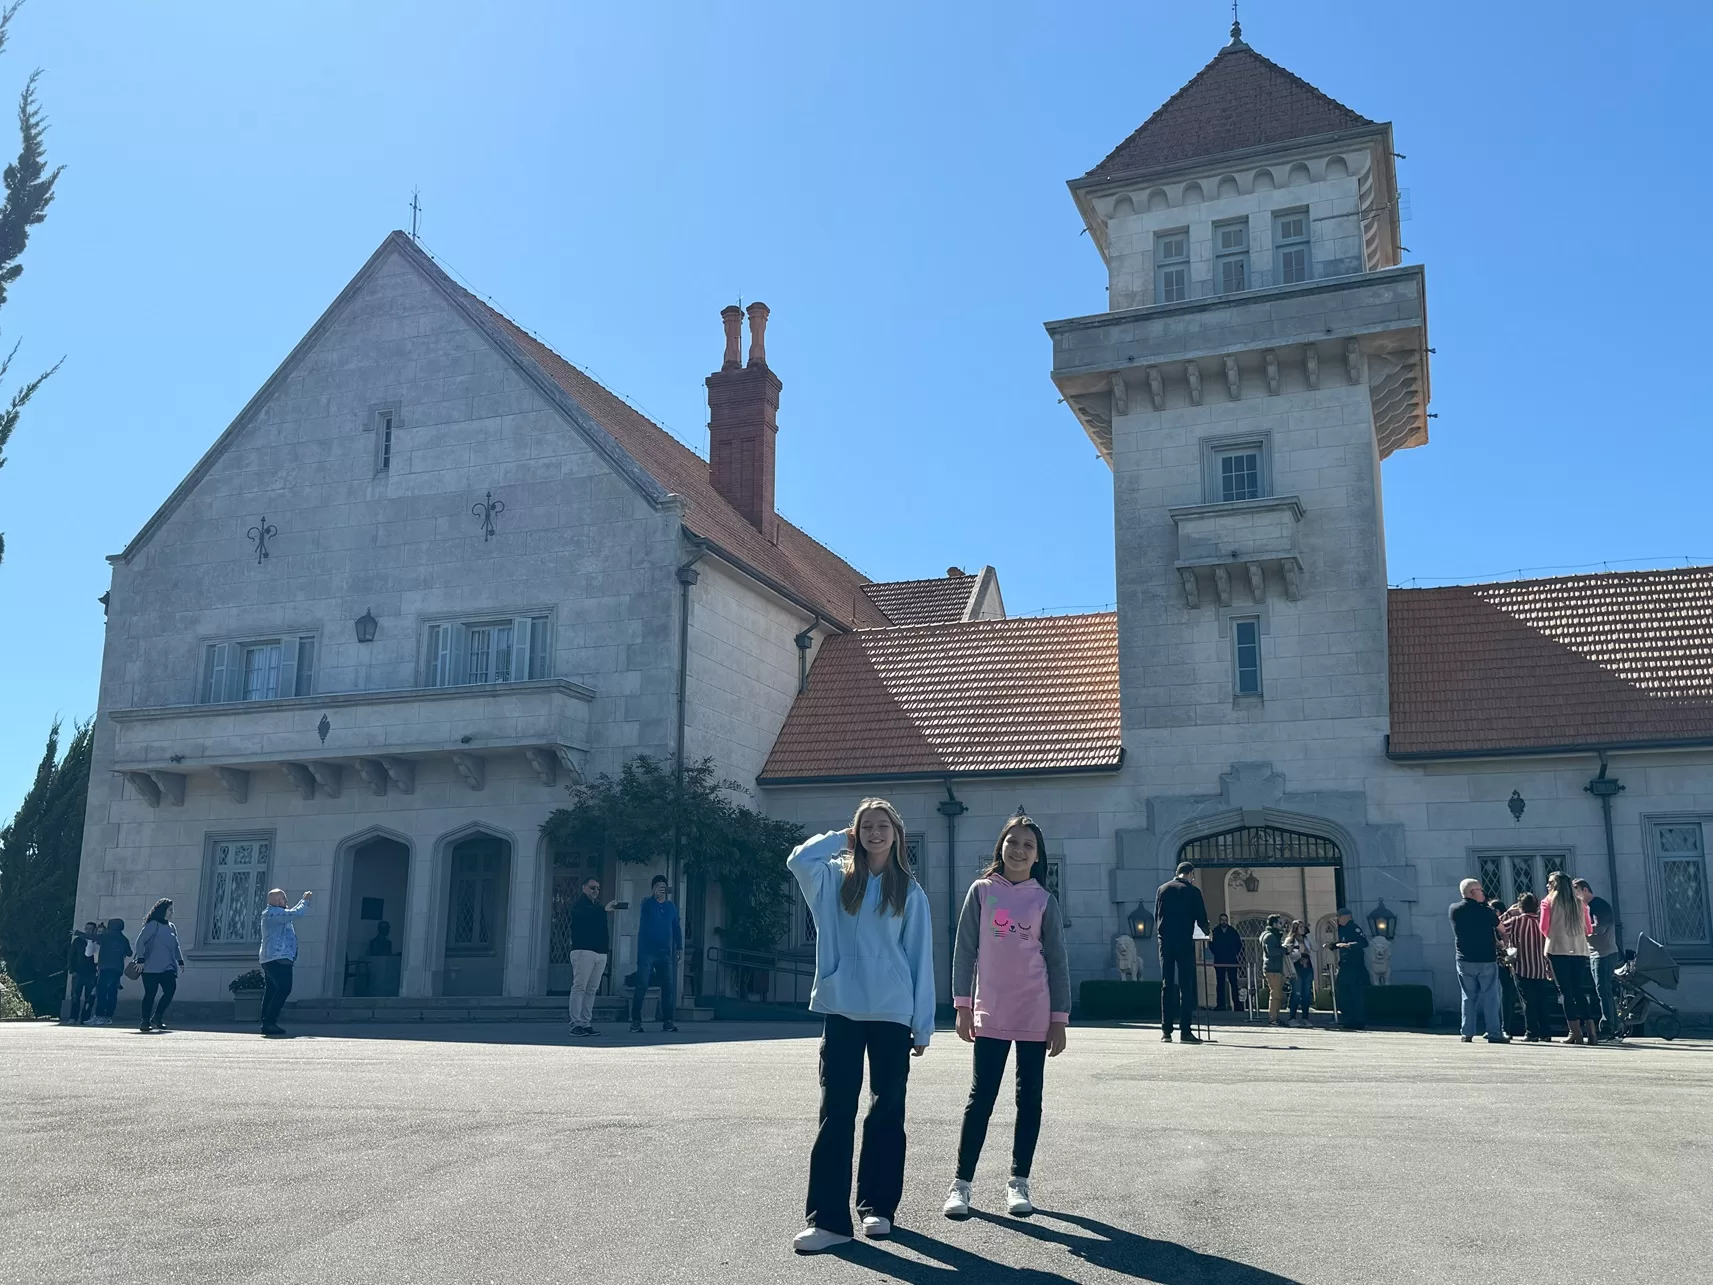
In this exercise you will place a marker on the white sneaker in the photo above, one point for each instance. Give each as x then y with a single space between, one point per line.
1017 1197
875 1227
812 1240
957 1200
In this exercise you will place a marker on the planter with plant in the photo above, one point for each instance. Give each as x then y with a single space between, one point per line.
247 991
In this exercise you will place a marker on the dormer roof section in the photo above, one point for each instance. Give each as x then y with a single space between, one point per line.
1238 101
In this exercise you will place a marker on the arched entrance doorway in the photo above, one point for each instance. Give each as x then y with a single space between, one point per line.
376 910
1252 871
478 890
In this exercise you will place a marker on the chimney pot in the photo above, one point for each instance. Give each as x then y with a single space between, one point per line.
758 334
731 316
954 573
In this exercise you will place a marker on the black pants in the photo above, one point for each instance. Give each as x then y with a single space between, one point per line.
1537 1006
82 996
1575 977
278 974
880 1174
984 1091
1352 988
1510 999
167 984
1225 982
1177 986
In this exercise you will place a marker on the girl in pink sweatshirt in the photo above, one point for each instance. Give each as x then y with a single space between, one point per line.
1011 984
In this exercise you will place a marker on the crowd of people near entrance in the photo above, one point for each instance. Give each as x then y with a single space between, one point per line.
1558 952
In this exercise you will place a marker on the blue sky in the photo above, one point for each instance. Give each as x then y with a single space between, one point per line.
889 178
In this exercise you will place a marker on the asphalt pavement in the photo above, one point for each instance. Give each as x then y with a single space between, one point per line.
515 1154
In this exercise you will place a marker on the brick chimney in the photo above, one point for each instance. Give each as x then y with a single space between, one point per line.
743 409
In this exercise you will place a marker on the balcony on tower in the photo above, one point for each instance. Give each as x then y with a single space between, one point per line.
1249 543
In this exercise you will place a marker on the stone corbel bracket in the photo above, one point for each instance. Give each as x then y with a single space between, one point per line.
300 777
374 774
1311 366
471 767
544 762
1120 396
402 773
327 776
1272 360
1156 388
1192 375
1233 378
237 782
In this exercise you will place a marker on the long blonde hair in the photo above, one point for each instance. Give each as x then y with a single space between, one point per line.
895 883
1562 893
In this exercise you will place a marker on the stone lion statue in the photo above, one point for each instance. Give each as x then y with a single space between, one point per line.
1380 961
1125 956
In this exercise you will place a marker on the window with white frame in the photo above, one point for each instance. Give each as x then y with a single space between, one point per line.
1291 247
1171 267
384 423
237 880
1507 875
1239 472
507 650
1231 256
258 669
1246 656
1680 861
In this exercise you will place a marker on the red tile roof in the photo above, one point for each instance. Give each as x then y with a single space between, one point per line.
1238 100
1623 658
1028 694
923 602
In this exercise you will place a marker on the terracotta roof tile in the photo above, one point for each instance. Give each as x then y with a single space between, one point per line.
922 602
800 563
1238 100
1025 694
1620 658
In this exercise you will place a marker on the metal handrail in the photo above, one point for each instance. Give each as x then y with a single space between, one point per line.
757 959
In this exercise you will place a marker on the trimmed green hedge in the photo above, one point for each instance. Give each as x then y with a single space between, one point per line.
1119 1001
1400 1006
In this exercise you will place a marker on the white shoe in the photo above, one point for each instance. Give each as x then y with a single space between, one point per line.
1017 1197
875 1227
957 1200
812 1240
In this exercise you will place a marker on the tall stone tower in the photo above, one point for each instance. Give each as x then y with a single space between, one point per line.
1263 351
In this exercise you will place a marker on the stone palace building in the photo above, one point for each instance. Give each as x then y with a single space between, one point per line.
433 571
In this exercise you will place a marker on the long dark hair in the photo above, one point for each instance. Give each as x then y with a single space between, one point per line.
1563 894
997 865
895 883
158 911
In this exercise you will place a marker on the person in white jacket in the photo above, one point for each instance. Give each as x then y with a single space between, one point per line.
874 983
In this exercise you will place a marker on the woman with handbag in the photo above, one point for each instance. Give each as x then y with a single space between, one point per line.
157 961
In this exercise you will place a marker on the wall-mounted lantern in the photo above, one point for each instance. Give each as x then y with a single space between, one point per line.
1382 922
366 626
1141 922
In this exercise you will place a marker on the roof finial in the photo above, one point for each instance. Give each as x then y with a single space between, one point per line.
1236 26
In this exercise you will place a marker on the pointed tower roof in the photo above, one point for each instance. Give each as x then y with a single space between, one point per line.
1238 100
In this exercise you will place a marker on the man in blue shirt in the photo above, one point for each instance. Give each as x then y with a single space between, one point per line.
659 943
278 954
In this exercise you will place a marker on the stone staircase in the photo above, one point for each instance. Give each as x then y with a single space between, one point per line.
474 1008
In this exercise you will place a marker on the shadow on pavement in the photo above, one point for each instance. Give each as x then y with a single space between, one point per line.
612 1036
1159 1261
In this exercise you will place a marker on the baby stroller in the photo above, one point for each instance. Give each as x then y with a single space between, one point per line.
1647 963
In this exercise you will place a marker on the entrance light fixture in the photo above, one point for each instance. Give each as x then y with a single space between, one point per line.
1383 922
1141 922
366 626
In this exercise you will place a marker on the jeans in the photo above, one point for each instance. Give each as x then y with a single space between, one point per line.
1275 994
167 984
107 991
984 1091
82 996
1224 982
587 969
1575 978
1537 1006
1480 983
278 988
1302 993
1606 983
1177 985
646 965
880 1172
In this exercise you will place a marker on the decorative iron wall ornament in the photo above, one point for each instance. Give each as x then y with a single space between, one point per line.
259 535
1516 805
322 728
487 511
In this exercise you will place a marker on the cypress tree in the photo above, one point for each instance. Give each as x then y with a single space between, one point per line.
39 854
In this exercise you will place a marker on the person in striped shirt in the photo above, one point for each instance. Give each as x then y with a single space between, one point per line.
1519 927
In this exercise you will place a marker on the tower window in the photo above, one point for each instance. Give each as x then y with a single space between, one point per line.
1246 656
1171 267
1291 246
1231 255
1240 474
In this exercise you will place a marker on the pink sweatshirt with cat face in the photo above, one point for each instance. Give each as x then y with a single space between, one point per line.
1009 964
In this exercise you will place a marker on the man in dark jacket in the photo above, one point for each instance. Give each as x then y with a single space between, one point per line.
1178 911
1350 983
659 944
113 949
80 972
1227 951
1476 929
590 946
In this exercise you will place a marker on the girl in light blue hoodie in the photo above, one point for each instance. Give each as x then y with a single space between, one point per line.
874 982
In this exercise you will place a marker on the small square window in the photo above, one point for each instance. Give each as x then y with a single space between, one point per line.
1246 656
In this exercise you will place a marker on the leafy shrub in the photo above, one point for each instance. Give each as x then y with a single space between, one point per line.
1119 1001
254 980
1400 1006
13 1006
